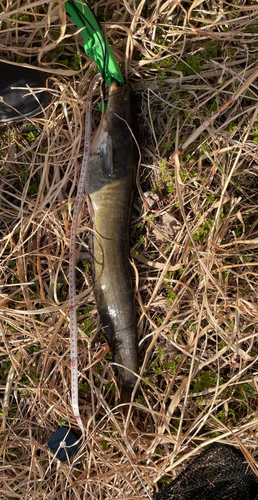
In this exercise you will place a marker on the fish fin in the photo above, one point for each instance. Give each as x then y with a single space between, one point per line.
107 159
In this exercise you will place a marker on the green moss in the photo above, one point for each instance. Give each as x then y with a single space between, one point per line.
87 327
160 450
34 348
245 392
171 296
27 380
193 62
210 199
84 386
171 366
104 445
213 106
55 34
141 240
184 174
23 17
76 59
203 231
34 186
166 145
156 366
190 66
32 135
162 74
204 380
238 231
250 28
12 413
5 367
63 421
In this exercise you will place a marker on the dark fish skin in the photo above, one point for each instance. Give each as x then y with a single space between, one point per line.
109 186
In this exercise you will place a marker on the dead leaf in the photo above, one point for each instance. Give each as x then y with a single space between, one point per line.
168 225
151 197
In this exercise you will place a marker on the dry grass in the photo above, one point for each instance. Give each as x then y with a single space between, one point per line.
194 241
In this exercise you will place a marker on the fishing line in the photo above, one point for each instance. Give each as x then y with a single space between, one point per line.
104 51
72 254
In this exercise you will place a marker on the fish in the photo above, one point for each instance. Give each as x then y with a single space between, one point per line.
110 183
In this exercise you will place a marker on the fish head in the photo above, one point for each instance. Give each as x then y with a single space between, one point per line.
118 114
118 122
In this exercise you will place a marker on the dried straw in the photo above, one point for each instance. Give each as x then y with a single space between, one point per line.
193 248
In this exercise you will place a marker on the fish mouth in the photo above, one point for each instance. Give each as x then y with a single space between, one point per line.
118 98
115 105
113 88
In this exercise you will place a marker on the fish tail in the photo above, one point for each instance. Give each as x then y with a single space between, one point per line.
126 393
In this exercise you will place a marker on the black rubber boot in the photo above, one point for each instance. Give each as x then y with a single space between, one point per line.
20 104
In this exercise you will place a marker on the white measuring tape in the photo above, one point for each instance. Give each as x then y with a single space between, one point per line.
72 284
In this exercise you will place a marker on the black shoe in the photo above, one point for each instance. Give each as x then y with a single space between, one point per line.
15 106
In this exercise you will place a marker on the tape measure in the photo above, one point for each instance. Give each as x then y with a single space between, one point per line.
72 284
